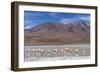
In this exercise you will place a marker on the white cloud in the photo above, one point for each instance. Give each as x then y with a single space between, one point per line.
27 27
66 21
84 18
53 14
27 21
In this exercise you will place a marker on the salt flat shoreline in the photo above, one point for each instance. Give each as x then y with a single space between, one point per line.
69 45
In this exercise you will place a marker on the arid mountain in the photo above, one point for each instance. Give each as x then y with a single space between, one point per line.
57 33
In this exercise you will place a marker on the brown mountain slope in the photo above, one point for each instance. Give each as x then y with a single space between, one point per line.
51 34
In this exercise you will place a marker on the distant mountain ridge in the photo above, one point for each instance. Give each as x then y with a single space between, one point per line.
72 27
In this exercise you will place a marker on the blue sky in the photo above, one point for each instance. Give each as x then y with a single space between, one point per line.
33 18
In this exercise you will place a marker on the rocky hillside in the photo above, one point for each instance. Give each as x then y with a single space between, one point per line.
57 33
